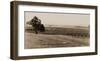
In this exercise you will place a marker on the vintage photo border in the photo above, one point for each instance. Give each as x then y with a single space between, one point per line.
14 29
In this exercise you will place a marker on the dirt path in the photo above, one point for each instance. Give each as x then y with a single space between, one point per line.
47 41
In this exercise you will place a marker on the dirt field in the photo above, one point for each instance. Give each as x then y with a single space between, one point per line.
56 38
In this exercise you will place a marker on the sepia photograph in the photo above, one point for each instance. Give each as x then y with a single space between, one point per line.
45 30
54 30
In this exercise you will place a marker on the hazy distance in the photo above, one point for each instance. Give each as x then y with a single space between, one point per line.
62 19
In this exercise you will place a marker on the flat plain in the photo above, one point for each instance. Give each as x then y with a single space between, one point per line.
55 37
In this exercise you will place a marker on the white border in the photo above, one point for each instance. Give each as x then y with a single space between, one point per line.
46 51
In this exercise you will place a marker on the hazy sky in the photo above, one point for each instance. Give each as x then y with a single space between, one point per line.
60 18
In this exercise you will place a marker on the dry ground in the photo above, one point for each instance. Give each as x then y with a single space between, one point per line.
44 40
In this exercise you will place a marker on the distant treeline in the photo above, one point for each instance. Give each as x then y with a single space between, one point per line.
65 31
